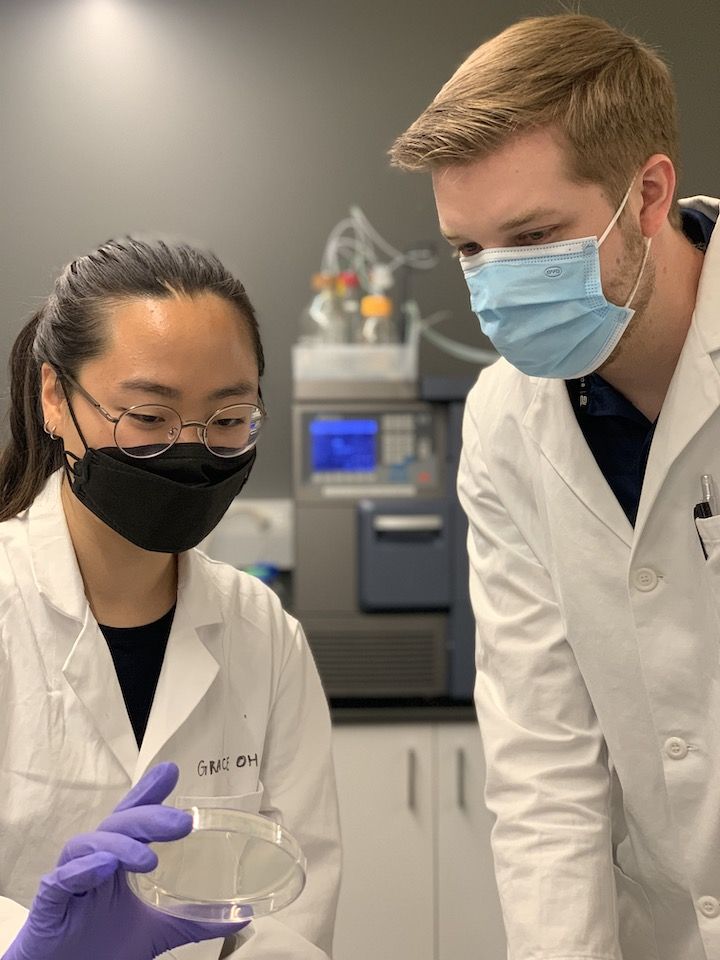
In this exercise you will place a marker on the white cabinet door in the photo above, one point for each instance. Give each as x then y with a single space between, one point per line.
384 776
470 924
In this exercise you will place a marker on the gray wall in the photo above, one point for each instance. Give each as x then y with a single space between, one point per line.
250 127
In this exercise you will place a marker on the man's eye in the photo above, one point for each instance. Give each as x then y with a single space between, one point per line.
535 236
467 250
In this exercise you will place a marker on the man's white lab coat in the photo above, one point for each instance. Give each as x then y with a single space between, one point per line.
598 688
238 707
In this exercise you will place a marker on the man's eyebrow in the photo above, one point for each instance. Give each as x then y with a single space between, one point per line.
241 388
532 216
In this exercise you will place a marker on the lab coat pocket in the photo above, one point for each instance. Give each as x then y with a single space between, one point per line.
246 802
636 927
708 529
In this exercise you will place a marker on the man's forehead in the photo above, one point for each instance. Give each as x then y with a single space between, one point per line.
510 209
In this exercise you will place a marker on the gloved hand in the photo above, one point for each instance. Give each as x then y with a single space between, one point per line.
84 909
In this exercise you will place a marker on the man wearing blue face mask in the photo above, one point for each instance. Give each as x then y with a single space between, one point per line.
588 458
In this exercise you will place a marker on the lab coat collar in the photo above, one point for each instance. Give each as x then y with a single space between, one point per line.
54 564
202 596
57 575
707 205
552 423
188 671
694 392
189 667
694 395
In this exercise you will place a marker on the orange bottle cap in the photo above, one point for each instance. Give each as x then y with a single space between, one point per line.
376 305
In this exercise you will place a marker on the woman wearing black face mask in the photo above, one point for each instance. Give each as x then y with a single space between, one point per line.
135 413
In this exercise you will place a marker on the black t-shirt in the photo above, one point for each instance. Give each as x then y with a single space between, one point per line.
138 654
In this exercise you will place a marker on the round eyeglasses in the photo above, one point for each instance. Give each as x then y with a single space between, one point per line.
149 429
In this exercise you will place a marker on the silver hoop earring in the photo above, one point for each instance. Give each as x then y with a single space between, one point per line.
50 431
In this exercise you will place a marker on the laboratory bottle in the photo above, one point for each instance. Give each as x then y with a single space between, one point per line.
378 324
349 290
315 320
338 328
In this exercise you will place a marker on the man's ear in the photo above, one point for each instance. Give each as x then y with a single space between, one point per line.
657 181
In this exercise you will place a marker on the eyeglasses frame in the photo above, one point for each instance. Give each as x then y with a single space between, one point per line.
198 424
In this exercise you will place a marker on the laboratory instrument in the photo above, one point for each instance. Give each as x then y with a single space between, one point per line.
380 580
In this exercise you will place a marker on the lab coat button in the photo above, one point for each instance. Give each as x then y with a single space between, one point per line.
645 579
676 748
709 906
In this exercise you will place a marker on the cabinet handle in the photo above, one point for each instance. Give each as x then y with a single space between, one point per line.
412 779
461 800
408 523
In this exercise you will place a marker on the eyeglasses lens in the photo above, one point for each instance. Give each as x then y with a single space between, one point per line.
148 430
234 430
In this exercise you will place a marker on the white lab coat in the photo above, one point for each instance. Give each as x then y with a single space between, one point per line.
238 687
598 687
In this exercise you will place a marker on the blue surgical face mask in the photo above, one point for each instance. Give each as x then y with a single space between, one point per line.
543 306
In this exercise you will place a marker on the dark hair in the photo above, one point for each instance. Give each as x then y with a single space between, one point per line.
70 329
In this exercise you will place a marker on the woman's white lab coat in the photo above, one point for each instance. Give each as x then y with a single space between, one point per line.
598 688
238 707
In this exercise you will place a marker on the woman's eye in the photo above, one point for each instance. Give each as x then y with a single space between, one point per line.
145 419
229 422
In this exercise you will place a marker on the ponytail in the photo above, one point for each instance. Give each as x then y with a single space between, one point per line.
31 455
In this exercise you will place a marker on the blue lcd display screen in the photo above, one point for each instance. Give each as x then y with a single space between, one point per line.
343 445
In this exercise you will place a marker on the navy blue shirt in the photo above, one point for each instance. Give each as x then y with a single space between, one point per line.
618 434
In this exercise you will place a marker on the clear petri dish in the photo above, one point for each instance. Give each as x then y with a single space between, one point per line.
232 866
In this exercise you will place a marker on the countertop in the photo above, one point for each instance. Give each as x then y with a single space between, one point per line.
395 710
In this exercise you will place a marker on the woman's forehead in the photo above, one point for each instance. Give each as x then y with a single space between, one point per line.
176 315
177 340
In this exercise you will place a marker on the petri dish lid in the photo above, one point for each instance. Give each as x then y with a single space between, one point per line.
232 866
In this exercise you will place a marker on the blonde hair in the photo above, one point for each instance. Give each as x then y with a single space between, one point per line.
608 93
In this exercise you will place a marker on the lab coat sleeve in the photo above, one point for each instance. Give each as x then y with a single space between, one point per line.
12 918
12 914
299 789
548 782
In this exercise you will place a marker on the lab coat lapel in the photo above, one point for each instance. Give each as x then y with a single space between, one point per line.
55 568
85 663
90 671
551 421
694 392
189 668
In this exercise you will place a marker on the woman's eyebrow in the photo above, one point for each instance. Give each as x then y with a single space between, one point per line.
240 388
150 386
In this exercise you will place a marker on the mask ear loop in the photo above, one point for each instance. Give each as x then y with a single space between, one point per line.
617 212
647 241
70 467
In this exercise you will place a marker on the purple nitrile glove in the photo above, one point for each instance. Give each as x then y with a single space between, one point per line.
84 909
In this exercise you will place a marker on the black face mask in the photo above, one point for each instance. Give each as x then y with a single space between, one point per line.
167 503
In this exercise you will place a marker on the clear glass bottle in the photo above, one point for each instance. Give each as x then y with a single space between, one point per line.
348 286
324 320
378 325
